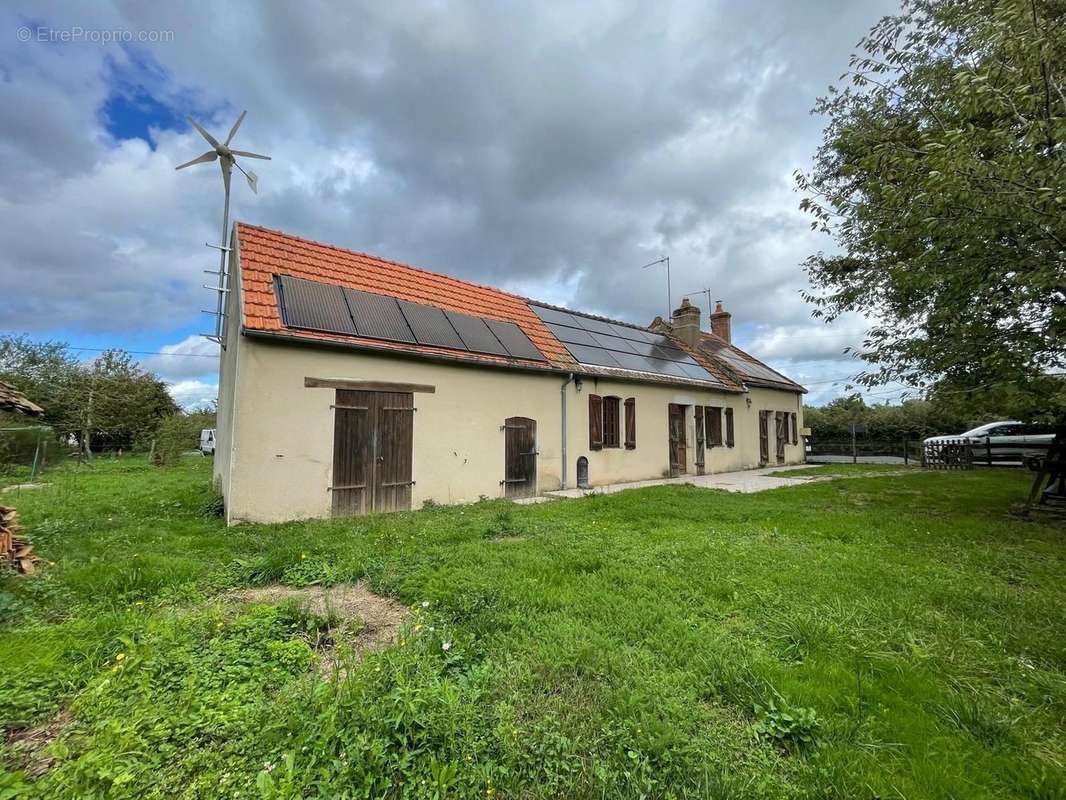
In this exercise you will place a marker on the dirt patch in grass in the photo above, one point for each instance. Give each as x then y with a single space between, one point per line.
30 745
363 620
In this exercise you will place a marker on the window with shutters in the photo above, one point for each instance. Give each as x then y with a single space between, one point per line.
714 426
595 422
631 423
612 436
795 430
729 441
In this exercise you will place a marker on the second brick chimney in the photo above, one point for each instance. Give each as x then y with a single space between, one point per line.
686 323
721 322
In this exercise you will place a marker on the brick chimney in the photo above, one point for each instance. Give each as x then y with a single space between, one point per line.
686 323
721 322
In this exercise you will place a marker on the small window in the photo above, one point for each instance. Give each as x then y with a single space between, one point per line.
729 441
611 428
714 426
631 423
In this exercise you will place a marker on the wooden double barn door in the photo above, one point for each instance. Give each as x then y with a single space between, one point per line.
372 443
520 457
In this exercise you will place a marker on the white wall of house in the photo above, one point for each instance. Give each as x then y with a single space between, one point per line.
279 435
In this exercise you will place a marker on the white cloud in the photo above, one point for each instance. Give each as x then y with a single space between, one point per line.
193 356
193 394
545 149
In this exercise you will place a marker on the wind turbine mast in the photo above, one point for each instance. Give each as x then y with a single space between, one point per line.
227 161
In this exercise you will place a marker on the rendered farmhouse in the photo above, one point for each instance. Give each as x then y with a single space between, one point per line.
352 384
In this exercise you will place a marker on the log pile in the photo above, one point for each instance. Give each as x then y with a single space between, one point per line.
15 553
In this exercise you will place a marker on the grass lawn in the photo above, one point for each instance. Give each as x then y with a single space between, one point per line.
881 637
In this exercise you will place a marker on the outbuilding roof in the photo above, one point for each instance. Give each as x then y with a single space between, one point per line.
265 255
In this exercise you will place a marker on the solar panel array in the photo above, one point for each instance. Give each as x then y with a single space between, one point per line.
333 309
748 367
608 344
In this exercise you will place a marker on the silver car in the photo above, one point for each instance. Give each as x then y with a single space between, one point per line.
1007 440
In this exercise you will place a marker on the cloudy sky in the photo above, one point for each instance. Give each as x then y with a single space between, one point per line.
549 149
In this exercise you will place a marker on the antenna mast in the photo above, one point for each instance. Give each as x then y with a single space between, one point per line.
710 308
669 294
227 162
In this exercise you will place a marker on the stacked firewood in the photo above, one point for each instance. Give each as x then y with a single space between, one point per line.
15 553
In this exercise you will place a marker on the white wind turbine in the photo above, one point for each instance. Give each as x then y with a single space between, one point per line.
227 161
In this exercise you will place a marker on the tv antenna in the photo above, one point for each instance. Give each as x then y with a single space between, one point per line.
707 292
669 294
226 159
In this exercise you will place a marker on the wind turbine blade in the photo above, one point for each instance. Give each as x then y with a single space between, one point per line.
210 155
211 140
253 181
246 154
233 130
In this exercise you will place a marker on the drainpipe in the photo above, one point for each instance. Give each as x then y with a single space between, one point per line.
562 401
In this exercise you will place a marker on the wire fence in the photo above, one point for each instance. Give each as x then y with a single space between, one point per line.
25 451
978 451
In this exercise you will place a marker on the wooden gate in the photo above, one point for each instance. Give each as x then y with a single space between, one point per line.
678 446
764 437
372 444
520 457
781 428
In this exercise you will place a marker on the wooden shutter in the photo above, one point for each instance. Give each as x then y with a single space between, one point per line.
631 423
795 430
698 418
595 422
729 427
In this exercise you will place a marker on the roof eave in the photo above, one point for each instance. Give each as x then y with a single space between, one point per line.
583 370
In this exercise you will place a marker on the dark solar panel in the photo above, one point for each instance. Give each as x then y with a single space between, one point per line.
377 316
556 316
698 372
315 306
593 355
514 339
430 325
636 334
476 334
596 325
612 342
667 367
572 335
633 361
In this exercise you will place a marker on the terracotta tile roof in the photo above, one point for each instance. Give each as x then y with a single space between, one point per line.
11 399
265 253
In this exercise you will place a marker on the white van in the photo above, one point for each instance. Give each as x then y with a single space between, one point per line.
207 441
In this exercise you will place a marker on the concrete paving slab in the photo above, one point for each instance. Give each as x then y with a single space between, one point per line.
746 481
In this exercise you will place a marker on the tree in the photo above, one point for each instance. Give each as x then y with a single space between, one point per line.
111 399
942 178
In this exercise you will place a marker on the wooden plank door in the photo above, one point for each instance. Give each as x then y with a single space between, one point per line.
372 448
352 488
678 446
393 444
764 437
782 435
697 416
520 457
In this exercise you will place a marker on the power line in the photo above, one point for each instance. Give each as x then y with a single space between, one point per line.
143 352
